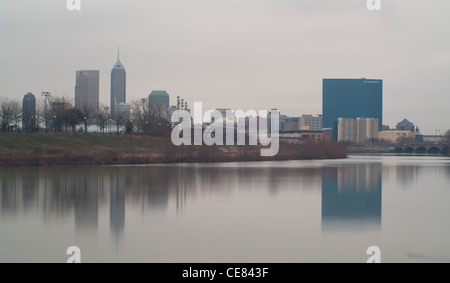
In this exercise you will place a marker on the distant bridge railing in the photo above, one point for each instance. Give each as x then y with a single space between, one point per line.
422 149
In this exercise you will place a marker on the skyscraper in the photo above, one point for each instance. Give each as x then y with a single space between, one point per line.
159 102
118 85
351 98
29 113
87 91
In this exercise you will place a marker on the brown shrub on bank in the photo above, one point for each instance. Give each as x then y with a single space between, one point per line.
166 152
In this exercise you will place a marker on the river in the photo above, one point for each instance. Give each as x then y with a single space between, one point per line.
293 211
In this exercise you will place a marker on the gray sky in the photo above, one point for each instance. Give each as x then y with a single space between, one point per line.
240 54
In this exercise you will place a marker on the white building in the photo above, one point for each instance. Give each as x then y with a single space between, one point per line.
87 90
359 130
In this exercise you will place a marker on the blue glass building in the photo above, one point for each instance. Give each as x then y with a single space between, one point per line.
351 98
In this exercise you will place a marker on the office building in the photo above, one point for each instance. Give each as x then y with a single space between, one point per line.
351 98
406 125
118 85
291 124
360 130
394 136
367 129
87 91
310 122
159 103
29 113
346 129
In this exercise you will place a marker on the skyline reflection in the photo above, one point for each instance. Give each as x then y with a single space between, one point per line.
351 194
352 197
284 211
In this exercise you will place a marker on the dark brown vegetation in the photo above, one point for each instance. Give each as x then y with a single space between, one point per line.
61 149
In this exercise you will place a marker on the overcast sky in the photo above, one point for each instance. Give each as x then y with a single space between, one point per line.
239 54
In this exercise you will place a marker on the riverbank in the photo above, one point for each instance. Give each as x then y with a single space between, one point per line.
369 149
63 149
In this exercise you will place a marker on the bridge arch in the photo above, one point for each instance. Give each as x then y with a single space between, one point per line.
421 150
409 150
444 150
434 150
398 150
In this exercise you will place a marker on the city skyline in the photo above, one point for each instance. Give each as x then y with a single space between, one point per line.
196 51
236 135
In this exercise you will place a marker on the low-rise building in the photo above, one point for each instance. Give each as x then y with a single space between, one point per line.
313 122
406 125
395 136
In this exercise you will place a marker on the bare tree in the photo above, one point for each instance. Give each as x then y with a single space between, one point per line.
56 113
90 116
149 118
129 127
40 114
73 117
141 115
447 137
121 119
8 114
17 113
405 141
102 118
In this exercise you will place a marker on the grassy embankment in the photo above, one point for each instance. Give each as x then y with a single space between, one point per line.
61 149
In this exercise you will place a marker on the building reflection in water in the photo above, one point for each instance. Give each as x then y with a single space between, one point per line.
86 200
352 197
349 194
117 189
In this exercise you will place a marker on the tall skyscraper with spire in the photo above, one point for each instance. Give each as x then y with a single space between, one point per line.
118 85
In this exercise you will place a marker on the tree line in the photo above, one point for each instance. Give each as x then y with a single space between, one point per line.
59 115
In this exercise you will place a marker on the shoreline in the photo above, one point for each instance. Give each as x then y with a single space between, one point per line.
395 154
49 150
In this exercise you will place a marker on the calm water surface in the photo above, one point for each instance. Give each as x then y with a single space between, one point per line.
296 211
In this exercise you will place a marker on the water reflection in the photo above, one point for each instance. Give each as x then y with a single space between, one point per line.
173 210
350 193
117 189
407 175
85 197
352 196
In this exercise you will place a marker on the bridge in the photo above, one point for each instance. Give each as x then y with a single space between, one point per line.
422 149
